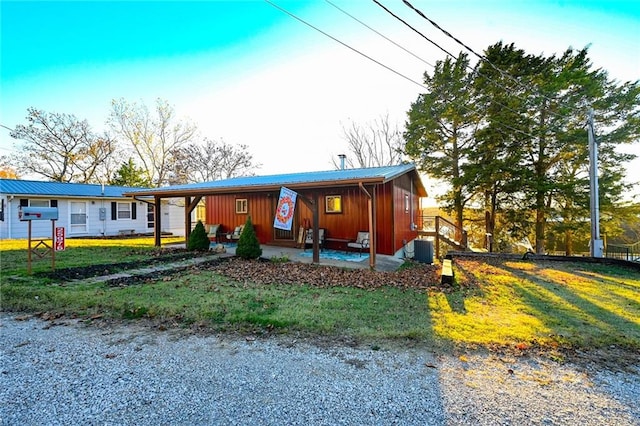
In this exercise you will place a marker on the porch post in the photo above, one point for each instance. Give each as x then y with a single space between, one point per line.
157 233
316 232
373 225
372 229
187 218
437 237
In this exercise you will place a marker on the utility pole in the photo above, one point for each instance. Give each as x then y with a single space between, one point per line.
596 246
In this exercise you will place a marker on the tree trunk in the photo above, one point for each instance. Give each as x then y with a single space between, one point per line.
568 243
540 228
540 183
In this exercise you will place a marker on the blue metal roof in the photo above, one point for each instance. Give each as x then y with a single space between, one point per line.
59 189
383 174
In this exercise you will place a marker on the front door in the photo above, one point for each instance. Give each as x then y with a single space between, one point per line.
151 214
78 218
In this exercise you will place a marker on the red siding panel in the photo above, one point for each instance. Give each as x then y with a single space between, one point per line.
393 224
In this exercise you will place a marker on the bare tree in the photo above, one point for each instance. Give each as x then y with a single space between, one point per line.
376 144
213 161
62 148
155 137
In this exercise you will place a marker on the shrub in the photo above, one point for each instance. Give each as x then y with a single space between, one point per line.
248 244
198 239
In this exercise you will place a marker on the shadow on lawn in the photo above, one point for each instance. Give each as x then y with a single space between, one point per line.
578 307
465 285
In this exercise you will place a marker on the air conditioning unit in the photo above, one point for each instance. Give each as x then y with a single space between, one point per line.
423 251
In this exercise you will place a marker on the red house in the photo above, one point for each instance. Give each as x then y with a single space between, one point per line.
383 201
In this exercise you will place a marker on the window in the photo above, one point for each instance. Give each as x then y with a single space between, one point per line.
241 206
124 210
333 204
39 203
406 203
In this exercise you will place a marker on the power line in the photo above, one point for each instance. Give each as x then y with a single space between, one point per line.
344 44
439 47
415 30
380 34
8 128
481 57
507 89
469 109
411 53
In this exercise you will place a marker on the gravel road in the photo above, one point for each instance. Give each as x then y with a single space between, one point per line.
67 373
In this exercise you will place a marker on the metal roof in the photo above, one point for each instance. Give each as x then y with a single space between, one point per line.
292 180
60 189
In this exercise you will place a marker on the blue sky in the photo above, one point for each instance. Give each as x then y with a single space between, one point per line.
250 74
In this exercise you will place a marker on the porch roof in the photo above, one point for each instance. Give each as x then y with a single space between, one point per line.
299 181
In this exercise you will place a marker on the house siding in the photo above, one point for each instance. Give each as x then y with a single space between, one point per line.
403 219
393 224
12 227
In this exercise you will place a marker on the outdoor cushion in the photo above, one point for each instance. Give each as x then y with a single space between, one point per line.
236 233
309 238
213 232
361 242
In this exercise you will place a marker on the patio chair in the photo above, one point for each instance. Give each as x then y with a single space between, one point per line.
308 241
361 242
235 235
214 233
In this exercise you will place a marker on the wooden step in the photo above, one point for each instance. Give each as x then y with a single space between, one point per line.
447 272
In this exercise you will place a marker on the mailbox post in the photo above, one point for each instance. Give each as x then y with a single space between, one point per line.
29 214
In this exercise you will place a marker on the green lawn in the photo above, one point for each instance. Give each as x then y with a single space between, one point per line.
517 304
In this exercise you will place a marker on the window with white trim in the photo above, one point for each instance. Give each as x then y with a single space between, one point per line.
333 204
39 203
242 206
124 210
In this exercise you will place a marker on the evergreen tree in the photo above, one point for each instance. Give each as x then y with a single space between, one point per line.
440 130
130 175
248 244
198 239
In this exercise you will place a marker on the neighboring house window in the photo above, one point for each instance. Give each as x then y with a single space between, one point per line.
406 203
333 204
39 203
124 210
24 202
241 205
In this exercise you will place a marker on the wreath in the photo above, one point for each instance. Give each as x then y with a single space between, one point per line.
285 209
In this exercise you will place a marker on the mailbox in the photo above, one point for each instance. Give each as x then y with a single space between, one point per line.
38 213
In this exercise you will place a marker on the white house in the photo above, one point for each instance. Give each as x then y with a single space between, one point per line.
83 210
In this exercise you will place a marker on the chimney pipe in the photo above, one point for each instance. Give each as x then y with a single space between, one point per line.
342 157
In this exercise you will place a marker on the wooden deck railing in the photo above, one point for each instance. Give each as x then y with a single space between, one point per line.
443 232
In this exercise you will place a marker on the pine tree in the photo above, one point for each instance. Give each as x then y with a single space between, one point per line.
248 244
198 239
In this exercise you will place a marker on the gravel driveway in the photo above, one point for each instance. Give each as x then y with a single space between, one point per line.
67 373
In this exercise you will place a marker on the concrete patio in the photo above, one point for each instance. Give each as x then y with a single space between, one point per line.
383 262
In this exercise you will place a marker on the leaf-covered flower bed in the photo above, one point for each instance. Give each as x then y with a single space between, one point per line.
418 277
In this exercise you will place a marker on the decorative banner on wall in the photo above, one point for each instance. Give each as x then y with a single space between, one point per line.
286 208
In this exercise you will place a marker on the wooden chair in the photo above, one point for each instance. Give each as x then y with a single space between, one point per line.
235 235
361 242
308 241
214 233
